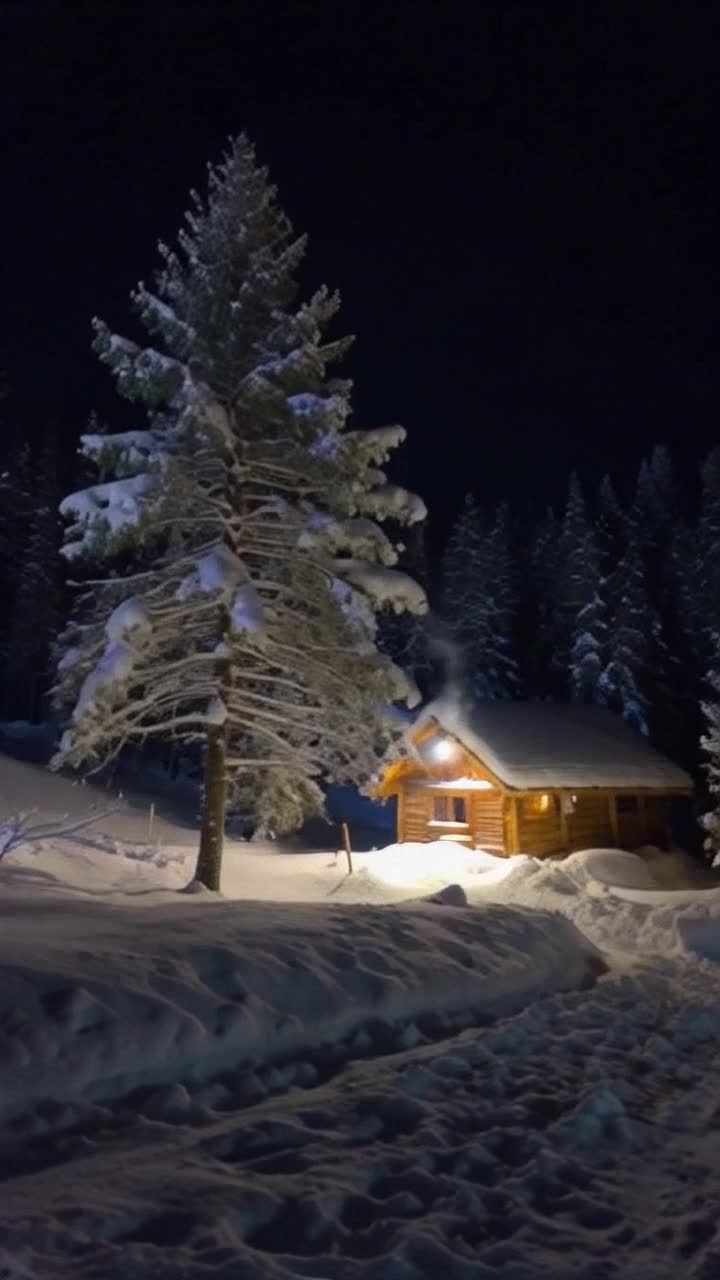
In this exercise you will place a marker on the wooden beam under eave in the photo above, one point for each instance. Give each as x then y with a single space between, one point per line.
564 833
614 825
514 839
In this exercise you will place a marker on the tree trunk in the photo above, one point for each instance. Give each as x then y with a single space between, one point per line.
213 826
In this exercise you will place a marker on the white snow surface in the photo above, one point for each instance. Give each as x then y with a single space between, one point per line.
538 744
446 1064
114 668
138 446
131 615
247 611
218 570
385 586
116 504
217 712
125 626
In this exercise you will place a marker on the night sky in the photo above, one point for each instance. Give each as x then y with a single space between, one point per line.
519 205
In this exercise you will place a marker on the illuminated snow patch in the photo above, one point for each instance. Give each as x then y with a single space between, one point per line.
416 864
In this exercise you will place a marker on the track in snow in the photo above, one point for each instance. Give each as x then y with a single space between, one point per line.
573 1139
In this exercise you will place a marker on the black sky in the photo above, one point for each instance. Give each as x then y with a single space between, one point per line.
519 203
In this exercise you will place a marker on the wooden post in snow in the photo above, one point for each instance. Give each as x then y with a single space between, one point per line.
346 846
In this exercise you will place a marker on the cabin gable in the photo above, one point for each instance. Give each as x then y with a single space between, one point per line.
445 792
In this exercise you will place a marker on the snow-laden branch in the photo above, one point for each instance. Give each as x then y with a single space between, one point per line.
18 830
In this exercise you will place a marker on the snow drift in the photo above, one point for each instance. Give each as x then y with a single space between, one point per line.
119 999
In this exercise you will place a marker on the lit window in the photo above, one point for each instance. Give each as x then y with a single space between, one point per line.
449 809
539 803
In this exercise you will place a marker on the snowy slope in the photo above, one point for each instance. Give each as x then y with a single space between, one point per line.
33 789
343 1083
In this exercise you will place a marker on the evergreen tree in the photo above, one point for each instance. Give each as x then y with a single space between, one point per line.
587 651
580 623
611 534
405 637
664 490
537 624
34 615
479 601
462 552
676 662
15 515
704 569
710 743
654 518
624 682
248 621
689 637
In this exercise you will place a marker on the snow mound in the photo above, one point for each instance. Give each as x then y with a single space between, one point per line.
611 867
430 864
125 1000
615 899
697 929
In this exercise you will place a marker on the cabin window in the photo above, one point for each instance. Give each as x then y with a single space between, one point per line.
449 809
540 804
627 804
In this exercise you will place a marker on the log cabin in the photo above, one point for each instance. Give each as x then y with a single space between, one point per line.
530 777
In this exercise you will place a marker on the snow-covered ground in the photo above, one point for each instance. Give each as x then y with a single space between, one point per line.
338 1077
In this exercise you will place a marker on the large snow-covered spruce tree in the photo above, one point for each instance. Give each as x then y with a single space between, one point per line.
240 532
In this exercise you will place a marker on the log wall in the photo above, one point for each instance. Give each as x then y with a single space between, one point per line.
538 831
589 824
500 822
657 816
415 809
486 820
632 829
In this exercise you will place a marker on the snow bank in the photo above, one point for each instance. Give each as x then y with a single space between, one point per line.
614 899
128 998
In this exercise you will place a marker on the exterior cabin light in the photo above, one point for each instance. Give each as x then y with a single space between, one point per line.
444 749
544 803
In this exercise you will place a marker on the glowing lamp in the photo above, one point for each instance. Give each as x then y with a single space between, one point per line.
444 749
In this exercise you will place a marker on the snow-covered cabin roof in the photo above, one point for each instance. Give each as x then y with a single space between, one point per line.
539 744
